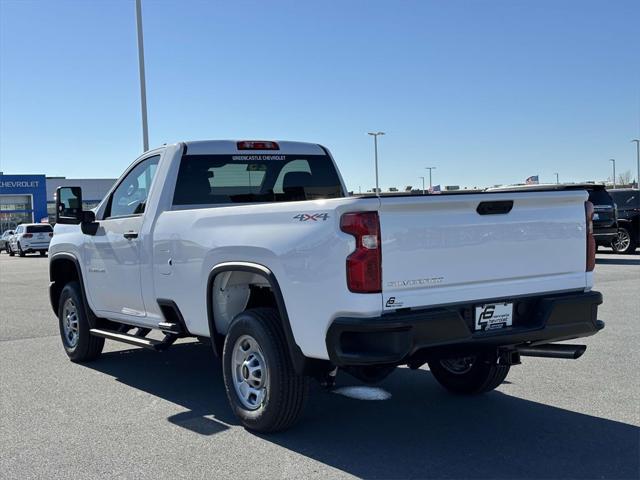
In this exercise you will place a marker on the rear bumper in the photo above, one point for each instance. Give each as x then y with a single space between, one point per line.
397 337
35 247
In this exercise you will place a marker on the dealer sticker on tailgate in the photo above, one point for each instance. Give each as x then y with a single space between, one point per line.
494 316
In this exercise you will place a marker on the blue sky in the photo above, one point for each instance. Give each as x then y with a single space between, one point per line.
488 92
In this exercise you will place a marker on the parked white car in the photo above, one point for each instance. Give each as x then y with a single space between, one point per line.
257 247
31 238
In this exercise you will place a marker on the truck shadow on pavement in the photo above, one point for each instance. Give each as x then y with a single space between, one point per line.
421 432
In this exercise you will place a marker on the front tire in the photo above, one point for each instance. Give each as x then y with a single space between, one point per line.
625 242
469 375
264 391
79 344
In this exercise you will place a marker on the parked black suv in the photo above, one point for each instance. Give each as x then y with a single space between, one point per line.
605 221
628 203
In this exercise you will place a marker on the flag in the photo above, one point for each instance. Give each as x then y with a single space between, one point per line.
533 180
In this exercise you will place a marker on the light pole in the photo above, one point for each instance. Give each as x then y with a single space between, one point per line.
557 178
430 182
637 142
143 82
375 147
423 192
613 161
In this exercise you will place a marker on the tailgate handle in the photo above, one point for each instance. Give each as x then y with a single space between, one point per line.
498 207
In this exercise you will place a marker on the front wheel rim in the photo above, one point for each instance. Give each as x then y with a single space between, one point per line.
249 372
622 241
70 326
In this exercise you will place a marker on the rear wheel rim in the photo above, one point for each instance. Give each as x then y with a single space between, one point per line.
70 326
458 366
249 372
622 241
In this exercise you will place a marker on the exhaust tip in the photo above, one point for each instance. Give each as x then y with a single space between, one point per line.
571 352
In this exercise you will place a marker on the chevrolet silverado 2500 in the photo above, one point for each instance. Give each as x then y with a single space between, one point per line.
257 248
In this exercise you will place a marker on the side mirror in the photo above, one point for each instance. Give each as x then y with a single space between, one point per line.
89 226
88 216
69 205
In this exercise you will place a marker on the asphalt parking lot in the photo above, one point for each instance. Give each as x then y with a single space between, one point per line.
140 414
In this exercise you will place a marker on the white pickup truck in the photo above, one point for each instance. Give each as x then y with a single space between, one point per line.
257 247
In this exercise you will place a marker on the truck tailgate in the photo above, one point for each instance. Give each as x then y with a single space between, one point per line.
439 250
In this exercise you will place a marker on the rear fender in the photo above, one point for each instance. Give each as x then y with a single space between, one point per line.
297 357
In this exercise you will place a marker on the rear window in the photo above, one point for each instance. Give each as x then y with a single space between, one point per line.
224 179
600 197
39 229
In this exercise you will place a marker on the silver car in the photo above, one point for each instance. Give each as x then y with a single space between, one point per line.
4 240
31 237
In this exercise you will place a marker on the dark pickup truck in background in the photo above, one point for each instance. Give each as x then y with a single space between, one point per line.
605 217
627 201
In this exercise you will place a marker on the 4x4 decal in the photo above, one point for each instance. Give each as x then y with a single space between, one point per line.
305 217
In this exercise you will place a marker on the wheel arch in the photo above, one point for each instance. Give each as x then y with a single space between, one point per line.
297 357
64 268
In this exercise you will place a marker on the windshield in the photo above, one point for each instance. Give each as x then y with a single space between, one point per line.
221 179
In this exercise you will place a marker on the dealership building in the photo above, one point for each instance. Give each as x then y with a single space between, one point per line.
31 198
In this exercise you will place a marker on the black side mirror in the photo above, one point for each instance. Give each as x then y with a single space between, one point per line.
69 205
88 216
69 210
89 226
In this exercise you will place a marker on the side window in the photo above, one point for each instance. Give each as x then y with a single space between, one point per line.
631 200
130 197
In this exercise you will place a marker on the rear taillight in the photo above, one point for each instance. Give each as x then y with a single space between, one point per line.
364 265
27 235
591 242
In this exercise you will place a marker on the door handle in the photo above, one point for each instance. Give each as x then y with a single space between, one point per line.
130 235
496 207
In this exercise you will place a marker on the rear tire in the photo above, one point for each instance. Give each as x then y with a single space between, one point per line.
625 242
42 253
264 391
79 344
469 375
20 251
9 251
